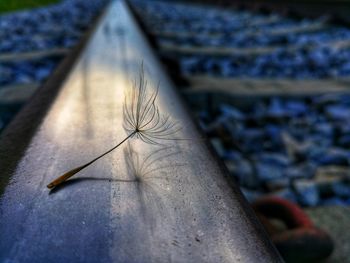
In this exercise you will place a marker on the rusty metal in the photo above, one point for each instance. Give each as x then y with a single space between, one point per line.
301 241
186 209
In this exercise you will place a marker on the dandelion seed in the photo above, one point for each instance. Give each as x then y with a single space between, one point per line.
142 115
142 119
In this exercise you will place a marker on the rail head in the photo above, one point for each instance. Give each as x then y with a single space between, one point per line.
182 206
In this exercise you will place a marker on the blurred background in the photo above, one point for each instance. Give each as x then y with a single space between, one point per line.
267 81
34 37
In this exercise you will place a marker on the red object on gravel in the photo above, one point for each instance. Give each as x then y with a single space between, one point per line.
297 239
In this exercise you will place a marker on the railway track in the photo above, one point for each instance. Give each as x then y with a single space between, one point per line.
184 208
87 111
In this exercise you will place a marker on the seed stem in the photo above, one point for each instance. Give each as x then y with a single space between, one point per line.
72 172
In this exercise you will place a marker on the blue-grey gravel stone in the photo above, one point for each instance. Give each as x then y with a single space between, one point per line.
234 28
267 155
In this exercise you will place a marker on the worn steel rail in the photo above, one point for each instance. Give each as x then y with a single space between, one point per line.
183 208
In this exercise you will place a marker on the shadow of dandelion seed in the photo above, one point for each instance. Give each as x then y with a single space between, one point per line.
142 119
151 178
143 168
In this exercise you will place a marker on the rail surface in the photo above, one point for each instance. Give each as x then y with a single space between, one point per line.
186 209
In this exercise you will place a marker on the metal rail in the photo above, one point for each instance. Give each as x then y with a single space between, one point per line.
186 210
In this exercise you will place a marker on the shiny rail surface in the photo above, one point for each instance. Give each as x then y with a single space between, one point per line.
186 209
